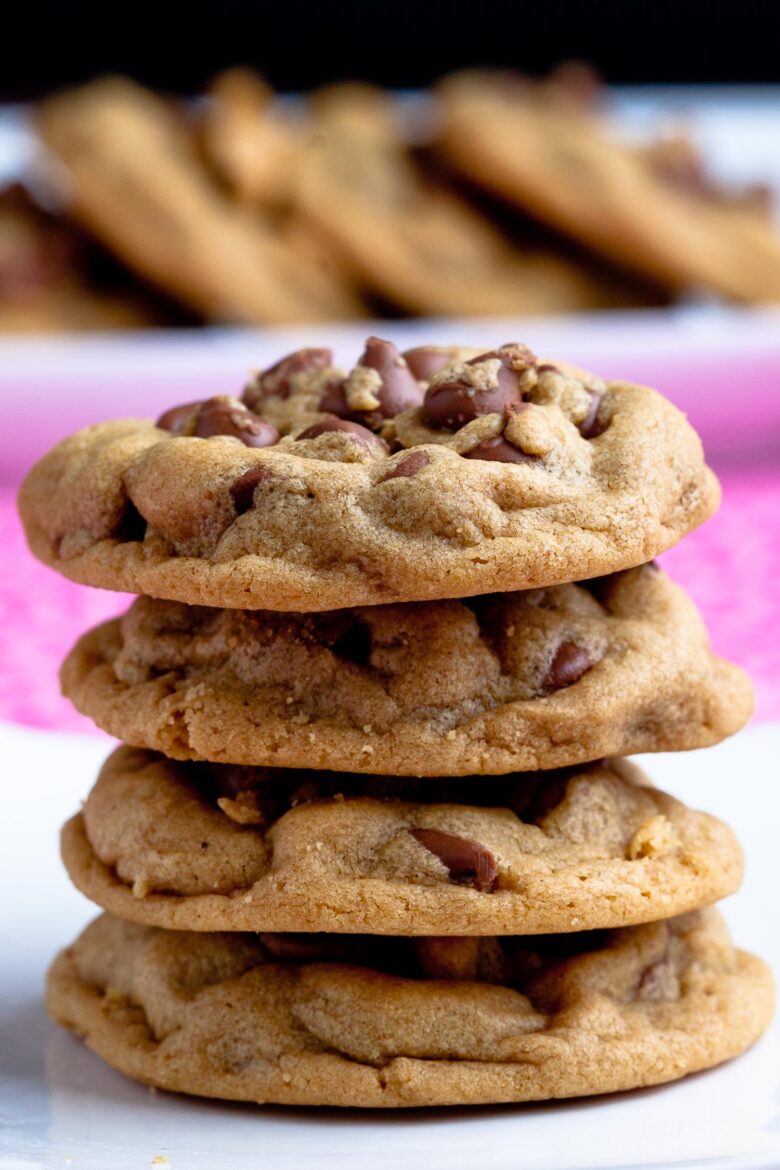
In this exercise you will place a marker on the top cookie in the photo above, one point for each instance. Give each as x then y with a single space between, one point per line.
437 473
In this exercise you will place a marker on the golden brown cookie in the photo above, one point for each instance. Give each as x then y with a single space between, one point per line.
397 481
136 182
389 1023
407 237
556 157
252 147
509 682
210 847
53 279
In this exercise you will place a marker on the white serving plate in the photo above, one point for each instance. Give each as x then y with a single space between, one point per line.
60 1106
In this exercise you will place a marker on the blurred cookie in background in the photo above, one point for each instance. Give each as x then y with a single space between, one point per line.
547 148
52 277
137 184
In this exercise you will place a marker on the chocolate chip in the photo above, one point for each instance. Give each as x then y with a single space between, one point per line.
462 857
179 420
569 664
590 427
243 490
221 415
499 450
277 380
409 465
361 434
451 404
426 360
548 368
333 399
227 416
399 390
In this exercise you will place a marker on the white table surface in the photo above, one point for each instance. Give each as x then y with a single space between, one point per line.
61 1107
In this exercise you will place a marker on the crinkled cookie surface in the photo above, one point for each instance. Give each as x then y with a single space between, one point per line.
438 473
400 1022
212 847
509 682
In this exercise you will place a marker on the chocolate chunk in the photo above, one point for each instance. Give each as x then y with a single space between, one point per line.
180 420
227 416
221 415
499 450
243 490
361 434
409 465
463 858
452 404
276 381
333 399
426 360
399 390
569 664
590 427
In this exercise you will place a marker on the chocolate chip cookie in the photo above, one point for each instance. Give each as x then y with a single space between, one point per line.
213 847
411 239
509 682
412 477
135 182
322 1020
653 211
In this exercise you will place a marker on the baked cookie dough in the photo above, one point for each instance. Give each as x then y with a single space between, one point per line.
134 180
408 237
653 211
213 847
411 478
508 682
378 1022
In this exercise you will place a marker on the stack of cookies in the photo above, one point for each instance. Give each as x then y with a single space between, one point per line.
369 840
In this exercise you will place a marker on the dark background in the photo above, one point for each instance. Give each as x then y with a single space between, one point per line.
301 43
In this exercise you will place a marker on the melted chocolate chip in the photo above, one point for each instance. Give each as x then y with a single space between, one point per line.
179 420
569 664
226 416
452 404
221 415
462 857
590 427
426 360
409 465
499 450
277 380
333 399
243 490
361 434
399 390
